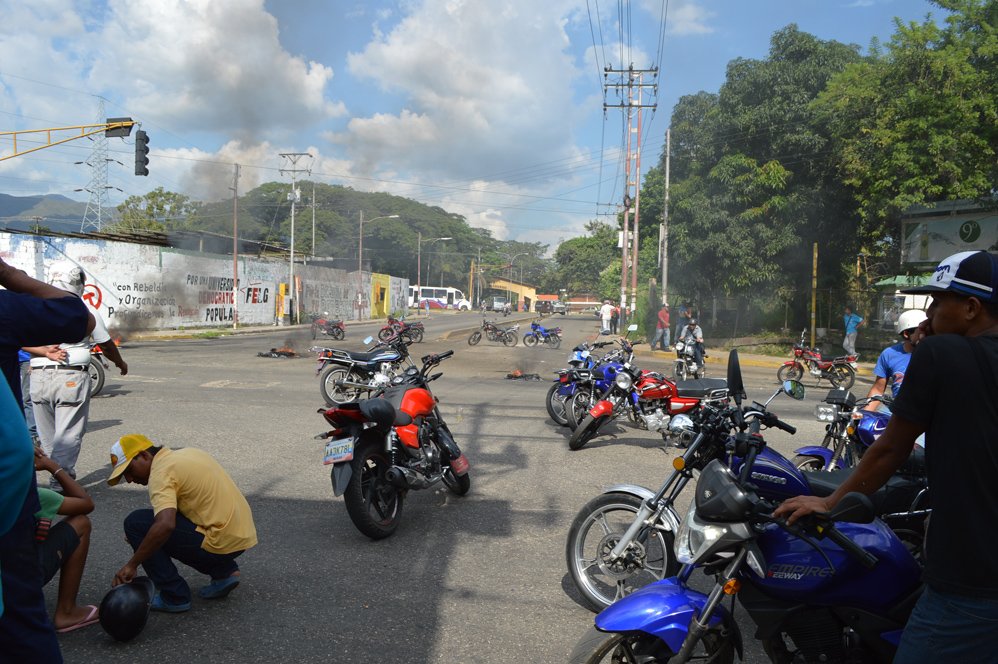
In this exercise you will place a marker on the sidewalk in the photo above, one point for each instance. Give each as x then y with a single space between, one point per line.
720 356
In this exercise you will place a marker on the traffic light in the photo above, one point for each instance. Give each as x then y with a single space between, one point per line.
141 153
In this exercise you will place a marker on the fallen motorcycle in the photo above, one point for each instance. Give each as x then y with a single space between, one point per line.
385 446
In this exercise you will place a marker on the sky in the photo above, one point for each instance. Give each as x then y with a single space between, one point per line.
493 109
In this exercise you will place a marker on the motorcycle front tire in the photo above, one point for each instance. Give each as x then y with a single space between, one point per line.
556 404
334 395
475 337
373 503
596 529
529 340
790 372
679 371
416 334
384 333
587 430
842 376
596 646
336 334
96 371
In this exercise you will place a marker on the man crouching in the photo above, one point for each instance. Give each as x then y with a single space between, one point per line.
198 517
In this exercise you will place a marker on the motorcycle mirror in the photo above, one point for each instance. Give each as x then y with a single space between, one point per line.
853 508
735 385
794 389
368 340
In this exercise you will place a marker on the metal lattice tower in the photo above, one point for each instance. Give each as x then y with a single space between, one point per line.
95 217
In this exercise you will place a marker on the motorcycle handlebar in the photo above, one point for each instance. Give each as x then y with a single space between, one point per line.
866 559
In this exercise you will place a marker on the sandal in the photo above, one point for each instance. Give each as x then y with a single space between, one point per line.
89 620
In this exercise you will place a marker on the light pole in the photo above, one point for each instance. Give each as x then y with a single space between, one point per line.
419 264
360 263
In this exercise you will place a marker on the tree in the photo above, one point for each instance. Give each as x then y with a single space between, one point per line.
582 261
157 210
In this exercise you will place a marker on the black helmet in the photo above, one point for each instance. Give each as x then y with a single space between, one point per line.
693 322
125 609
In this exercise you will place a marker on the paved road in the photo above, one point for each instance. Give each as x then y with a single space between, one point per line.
475 579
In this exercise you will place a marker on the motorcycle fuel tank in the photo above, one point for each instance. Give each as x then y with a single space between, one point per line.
775 476
651 389
871 426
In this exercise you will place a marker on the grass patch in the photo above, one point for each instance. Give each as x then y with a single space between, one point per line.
771 350
209 334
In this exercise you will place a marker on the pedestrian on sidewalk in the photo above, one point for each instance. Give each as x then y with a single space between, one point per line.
852 323
662 328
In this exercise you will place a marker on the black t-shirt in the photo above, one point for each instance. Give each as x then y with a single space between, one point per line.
947 392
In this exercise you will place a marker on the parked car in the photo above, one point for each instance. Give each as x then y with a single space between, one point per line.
591 311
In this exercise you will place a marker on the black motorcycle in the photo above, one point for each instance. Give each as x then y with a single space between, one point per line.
345 375
492 332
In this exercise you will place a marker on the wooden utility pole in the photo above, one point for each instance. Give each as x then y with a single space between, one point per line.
663 235
814 293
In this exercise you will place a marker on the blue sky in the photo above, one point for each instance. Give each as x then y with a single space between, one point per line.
488 108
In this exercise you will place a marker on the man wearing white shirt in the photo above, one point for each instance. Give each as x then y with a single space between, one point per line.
60 381
605 314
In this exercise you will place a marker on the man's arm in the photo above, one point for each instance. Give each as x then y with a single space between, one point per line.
76 500
162 528
111 351
54 353
17 282
881 461
876 390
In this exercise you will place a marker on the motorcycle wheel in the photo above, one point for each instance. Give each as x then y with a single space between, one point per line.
577 408
509 339
475 337
337 333
598 528
596 647
587 430
842 376
701 372
96 371
556 405
314 329
529 340
334 395
384 333
416 334
790 372
555 342
808 462
679 371
373 503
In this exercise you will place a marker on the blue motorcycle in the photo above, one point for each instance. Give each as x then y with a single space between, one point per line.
837 586
581 362
849 433
539 334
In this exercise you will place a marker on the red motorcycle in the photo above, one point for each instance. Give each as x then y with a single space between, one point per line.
328 327
839 370
396 441
411 331
648 398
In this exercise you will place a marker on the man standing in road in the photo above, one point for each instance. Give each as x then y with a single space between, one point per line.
60 382
662 328
605 313
952 396
198 517
852 323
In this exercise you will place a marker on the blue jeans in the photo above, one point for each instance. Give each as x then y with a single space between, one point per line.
661 335
184 545
950 628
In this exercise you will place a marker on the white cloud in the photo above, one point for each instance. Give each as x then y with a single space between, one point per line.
689 19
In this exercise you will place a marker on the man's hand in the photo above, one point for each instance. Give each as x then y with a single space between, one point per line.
56 354
800 506
123 367
43 462
124 575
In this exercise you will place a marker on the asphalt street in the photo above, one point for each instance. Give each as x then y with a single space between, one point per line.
480 578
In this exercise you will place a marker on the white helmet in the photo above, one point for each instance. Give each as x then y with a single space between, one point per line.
909 320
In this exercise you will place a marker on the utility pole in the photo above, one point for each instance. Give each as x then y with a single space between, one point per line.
235 249
632 111
663 236
313 220
293 157
99 199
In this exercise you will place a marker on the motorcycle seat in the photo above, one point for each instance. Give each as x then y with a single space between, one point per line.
702 387
381 412
896 496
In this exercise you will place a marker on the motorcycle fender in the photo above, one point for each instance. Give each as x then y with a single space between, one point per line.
340 476
670 517
818 451
567 390
447 445
663 609
601 408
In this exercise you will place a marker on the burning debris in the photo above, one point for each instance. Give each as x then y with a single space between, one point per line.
516 374
279 352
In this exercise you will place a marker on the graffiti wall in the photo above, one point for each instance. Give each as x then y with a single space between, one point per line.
145 287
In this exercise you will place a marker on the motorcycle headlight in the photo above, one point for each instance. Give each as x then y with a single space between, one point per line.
679 345
826 412
623 380
695 538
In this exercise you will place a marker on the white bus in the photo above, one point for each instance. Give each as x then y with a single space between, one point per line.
439 298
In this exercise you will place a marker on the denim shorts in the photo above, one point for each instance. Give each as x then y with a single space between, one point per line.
945 627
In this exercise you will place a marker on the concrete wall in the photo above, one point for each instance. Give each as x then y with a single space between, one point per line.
145 287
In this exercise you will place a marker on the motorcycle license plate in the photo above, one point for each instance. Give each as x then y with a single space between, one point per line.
340 450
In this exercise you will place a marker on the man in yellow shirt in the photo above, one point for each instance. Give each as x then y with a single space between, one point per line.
198 517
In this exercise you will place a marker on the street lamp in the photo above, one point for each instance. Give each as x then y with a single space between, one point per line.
419 263
360 262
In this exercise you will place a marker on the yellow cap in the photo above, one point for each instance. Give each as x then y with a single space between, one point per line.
122 453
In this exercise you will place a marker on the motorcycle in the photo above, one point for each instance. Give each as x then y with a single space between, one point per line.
685 366
622 539
385 446
849 432
588 387
413 331
492 332
96 369
840 602
839 370
327 327
362 371
539 334
647 398
564 385
505 310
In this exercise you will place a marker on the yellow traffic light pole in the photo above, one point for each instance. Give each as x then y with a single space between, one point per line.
122 127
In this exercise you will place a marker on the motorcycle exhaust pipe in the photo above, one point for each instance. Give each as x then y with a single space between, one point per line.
347 383
407 479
